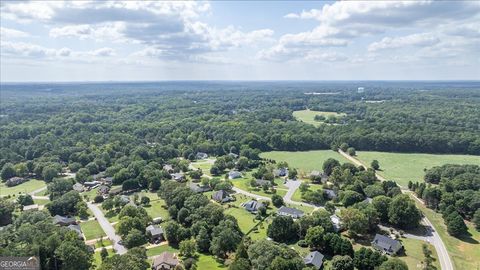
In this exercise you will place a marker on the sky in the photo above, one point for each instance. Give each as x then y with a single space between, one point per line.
244 40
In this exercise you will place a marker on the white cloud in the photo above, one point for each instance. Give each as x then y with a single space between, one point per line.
421 40
22 49
103 52
9 33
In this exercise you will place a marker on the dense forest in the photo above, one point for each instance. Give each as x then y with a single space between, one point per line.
68 122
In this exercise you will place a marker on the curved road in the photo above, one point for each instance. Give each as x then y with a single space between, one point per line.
107 228
432 236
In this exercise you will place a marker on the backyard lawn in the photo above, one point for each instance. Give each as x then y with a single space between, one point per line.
41 201
305 161
308 116
159 249
244 183
92 230
208 262
97 259
297 196
404 167
204 166
23 188
464 252
156 209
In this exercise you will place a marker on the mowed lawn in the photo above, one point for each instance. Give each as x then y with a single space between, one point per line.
23 188
404 167
464 251
305 161
308 116
91 229
246 220
414 253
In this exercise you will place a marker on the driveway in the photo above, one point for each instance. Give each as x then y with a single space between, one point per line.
107 228
293 185
434 239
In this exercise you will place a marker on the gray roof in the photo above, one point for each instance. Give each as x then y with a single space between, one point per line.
262 182
177 176
330 193
252 206
166 260
386 243
199 189
315 173
78 187
76 228
288 211
154 230
280 172
234 174
220 196
57 219
314 258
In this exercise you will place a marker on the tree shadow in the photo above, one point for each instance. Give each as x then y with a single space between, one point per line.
467 238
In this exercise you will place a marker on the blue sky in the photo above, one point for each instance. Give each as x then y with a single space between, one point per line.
245 40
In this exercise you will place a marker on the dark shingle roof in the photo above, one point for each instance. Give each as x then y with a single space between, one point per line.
386 243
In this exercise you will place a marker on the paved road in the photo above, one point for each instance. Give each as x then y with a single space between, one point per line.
434 238
39 197
293 185
107 228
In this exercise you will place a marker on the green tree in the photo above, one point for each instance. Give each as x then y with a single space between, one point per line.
354 220
203 240
403 212
282 229
103 254
368 259
134 259
393 264
8 171
375 165
382 204
188 248
277 200
455 224
225 238
329 165
476 219
314 237
240 264
73 255
134 238
82 175
351 151
49 172
25 200
342 263
145 200
6 209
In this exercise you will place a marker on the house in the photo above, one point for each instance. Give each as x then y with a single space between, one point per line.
222 196
201 155
103 190
165 261
329 193
179 177
318 176
15 181
107 181
78 187
115 190
314 259
291 212
199 189
337 225
32 207
76 228
233 155
168 168
386 244
98 176
234 174
155 233
92 184
252 206
261 182
63 221
280 172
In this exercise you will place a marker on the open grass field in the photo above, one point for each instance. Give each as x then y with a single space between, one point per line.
23 188
414 254
244 183
464 252
156 209
92 230
305 161
41 201
404 167
204 166
308 116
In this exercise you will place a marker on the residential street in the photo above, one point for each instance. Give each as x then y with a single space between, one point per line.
107 228
434 239
292 187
